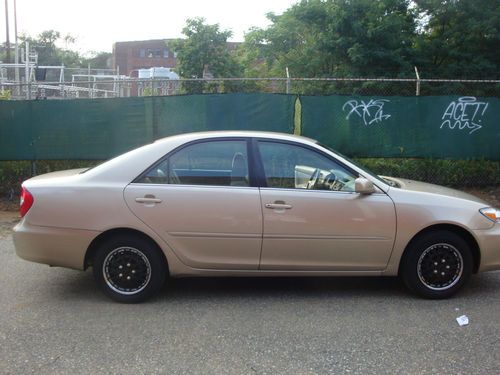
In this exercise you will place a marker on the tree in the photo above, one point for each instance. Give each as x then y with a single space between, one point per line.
98 60
459 38
205 49
326 38
48 52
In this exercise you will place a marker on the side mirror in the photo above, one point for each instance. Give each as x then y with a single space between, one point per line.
363 186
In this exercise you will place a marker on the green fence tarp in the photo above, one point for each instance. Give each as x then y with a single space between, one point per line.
392 126
102 128
432 127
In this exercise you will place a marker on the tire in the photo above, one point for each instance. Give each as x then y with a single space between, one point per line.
129 269
436 264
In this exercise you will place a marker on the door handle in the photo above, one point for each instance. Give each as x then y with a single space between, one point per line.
278 206
148 200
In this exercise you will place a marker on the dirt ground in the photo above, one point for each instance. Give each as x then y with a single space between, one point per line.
7 220
489 194
9 209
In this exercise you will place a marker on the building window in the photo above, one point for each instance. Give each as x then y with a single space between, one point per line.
166 53
154 53
142 53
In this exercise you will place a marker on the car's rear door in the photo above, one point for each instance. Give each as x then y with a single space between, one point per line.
199 199
322 224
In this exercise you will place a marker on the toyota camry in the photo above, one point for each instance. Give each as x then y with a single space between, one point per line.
251 204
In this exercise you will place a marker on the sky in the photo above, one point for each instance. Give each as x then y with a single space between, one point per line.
97 24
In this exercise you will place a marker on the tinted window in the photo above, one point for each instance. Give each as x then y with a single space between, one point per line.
295 167
222 163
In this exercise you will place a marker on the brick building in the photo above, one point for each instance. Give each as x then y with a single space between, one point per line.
134 55
140 54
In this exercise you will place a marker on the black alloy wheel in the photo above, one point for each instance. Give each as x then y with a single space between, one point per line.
129 268
436 264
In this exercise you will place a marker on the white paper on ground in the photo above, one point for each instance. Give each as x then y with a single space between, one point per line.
462 320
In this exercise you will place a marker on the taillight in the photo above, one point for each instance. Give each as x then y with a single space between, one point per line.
26 201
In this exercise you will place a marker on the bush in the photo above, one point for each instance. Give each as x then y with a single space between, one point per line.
13 173
5 95
456 173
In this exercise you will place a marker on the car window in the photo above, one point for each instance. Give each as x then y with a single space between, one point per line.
220 163
294 167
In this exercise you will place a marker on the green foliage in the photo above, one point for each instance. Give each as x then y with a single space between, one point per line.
458 39
5 94
98 60
13 173
457 173
49 53
204 50
148 91
205 47
317 38
438 171
377 38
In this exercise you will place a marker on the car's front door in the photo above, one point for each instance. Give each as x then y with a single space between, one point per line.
313 219
199 200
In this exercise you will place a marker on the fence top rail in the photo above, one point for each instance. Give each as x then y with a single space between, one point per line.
270 79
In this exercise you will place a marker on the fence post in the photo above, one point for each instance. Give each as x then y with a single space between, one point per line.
418 82
297 117
288 81
33 168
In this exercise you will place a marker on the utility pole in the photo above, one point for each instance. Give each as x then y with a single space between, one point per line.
27 71
18 88
7 42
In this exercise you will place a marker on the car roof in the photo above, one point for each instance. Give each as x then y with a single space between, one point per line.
186 137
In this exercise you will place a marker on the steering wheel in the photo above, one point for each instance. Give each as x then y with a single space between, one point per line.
311 184
330 180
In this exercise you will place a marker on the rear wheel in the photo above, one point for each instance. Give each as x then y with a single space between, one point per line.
129 269
436 264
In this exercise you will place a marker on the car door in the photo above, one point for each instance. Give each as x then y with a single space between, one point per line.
199 200
313 219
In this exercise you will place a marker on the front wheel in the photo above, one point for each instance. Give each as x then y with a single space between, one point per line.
436 264
129 269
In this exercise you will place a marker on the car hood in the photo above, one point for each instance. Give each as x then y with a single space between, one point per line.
412 185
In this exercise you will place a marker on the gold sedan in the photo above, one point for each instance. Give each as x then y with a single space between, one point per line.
251 204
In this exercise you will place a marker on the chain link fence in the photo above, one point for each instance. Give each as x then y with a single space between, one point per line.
457 173
125 87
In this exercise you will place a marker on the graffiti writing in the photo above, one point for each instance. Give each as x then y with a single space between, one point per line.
371 112
464 113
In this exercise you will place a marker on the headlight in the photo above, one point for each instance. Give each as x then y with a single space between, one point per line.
491 213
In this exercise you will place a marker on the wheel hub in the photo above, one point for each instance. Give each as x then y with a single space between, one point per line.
440 266
126 270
